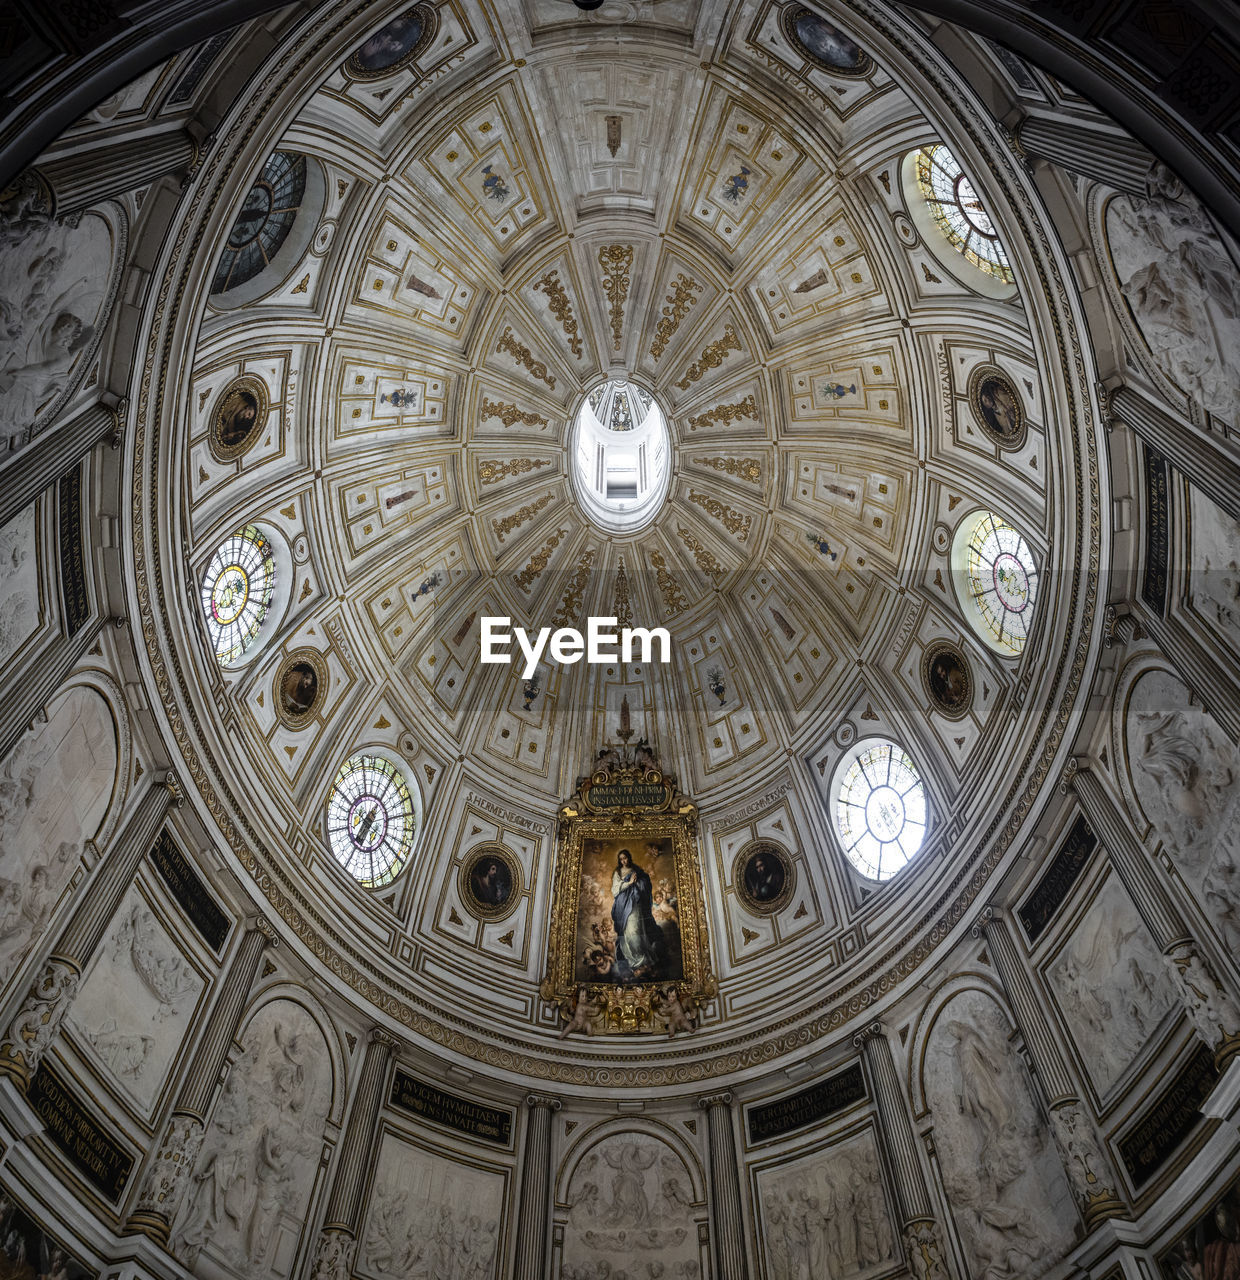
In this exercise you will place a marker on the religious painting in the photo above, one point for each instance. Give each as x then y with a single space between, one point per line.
1211 1246
490 882
300 685
628 949
239 417
996 407
763 877
947 679
394 46
823 45
28 1253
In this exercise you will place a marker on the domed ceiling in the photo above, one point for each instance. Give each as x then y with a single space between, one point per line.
501 208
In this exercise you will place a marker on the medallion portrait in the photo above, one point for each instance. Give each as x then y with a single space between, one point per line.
394 46
947 679
239 417
490 882
996 407
300 685
763 877
824 46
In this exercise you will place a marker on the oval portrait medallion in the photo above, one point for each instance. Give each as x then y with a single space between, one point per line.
489 882
764 877
394 46
947 679
301 684
996 407
824 46
239 416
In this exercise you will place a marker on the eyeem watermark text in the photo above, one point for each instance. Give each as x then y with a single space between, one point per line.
568 645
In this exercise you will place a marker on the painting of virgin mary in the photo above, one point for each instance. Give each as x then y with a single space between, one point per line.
640 950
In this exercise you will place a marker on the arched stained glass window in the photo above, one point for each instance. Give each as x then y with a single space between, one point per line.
264 221
959 212
1001 577
880 808
371 819
236 592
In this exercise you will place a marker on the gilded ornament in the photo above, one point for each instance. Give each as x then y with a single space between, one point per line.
746 408
520 516
623 606
489 471
705 561
712 357
735 522
673 597
570 606
744 468
524 357
538 561
678 302
616 261
561 308
509 414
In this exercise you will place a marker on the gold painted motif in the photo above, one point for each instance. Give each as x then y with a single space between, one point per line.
735 522
524 357
623 606
705 561
509 414
561 308
490 471
712 357
678 302
570 606
745 468
616 261
520 516
538 561
673 597
746 408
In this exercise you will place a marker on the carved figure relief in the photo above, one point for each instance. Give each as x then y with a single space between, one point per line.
54 792
247 1198
1214 576
1001 1172
19 584
1112 986
828 1214
137 1000
430 1218
631 1197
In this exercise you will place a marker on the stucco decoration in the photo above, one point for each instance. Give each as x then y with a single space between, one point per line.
248 1197
828 1215
1214 578
430 1216
54 792
1112 986
19 585
630 1197
1002 1175
1182 288
1184 770
136 1000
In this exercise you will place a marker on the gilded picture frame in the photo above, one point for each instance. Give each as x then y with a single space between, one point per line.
628 948
996 407
238 417
764 877
489 882
299 688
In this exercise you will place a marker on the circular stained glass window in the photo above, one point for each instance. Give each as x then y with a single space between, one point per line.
371 819
959 212
1000 580
264 221
236 592
880 808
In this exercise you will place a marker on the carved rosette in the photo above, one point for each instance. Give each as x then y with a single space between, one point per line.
1085 1164
1212 1011
923 1250
38 1021
333 1257
163 1185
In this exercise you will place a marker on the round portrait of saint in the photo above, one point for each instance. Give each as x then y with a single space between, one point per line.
490 882
395 45
764 877
824 46
239 416
947 678
300 686
996 407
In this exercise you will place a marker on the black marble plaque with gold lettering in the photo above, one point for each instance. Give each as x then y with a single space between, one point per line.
1157 532
421 1099
73 593
86 1144
807 1106
189 891
1052 889
1168 1122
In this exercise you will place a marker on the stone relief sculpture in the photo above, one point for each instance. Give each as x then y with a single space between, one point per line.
630 1197
1182 288
1001 1172
1184 770
137 999
54 792
1214 578
430 1218
827 1215
250 1189
1112 985
19 584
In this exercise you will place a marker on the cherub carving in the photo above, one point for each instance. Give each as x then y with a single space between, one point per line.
583 1007
678 1017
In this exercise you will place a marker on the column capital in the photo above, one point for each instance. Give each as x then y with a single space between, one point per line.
536 1100
1067 779
721 1099
874 1031
260 924
173 786
990 915
381 1036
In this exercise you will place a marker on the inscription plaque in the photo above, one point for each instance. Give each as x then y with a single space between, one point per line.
91 1150
1037 911
1168 1122
807 1106
1157 532
73 593
204 912
421 1099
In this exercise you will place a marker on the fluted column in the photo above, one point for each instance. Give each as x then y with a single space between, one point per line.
1106 156
333 1257
923 1243
39 464
1080 1149
535 1211
1212 1010
727 1223
78 180
163 1184
37 1022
